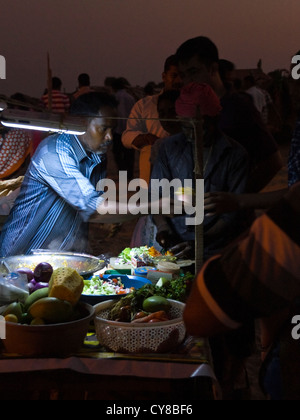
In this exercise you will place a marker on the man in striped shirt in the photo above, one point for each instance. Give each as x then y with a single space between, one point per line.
58 196
60 103
257 278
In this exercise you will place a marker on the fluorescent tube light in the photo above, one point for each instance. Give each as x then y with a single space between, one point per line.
41 121
2 105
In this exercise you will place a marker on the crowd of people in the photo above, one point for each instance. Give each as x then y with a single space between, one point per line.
251 267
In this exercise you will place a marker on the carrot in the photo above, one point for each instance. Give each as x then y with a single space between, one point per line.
160 315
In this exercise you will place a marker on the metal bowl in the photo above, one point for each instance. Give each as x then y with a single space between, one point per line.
85 264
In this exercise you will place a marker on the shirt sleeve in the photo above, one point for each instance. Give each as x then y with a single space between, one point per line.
61 173
260 275
135 125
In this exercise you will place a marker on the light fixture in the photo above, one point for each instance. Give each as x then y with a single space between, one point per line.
3 105
43 121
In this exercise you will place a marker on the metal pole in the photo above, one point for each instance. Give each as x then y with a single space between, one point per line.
49 83
199 174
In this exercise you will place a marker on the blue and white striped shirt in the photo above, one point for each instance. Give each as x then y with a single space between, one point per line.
57 198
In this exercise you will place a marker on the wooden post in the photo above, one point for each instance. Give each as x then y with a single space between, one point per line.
199 174
49 83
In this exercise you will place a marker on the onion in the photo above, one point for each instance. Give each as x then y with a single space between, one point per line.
43 272
41 285
31 286
26 271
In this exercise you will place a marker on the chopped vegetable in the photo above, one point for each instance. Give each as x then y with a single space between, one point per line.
98 287
144 254
176 289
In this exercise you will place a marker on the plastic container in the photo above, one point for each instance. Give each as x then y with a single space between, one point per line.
143 271
168 267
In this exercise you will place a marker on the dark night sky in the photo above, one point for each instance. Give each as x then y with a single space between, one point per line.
132 38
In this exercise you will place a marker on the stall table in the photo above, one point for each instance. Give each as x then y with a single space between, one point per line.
95 374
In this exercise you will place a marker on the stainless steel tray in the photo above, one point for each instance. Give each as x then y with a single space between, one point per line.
85 264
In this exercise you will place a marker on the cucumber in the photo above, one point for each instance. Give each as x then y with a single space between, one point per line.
35 296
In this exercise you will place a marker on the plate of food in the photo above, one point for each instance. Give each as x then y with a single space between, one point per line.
99 288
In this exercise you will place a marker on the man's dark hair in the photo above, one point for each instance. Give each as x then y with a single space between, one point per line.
170 61
89 104
84 79
56 83
201 46
250 79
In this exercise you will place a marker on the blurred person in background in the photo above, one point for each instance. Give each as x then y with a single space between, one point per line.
198 61
141 133
16 145
59 103
84 86
124 157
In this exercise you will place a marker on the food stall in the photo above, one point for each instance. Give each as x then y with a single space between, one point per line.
77 355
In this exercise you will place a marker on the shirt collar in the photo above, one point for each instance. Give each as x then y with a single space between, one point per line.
82 154
79 149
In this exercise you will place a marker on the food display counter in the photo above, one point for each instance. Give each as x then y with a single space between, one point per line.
183 372
185 375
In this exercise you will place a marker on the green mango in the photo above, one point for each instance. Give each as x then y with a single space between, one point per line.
14 308
35 296
51 310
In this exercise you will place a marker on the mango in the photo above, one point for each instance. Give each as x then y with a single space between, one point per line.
51 310
35 296
156 304
14 308
11 318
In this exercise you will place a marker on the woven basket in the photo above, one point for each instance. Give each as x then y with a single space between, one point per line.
121 337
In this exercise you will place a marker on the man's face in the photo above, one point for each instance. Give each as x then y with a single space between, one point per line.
99 134
172 79
166 110
195 71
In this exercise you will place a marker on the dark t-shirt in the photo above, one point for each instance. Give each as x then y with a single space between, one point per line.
241 121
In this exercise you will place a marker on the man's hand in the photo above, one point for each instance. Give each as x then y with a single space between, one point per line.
143 140
166 238
220 203
184 250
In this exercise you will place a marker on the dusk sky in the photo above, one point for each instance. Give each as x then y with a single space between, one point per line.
132 38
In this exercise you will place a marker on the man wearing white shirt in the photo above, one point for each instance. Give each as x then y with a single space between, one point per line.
257 94
141 134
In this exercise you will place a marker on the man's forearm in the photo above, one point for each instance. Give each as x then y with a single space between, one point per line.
118 212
